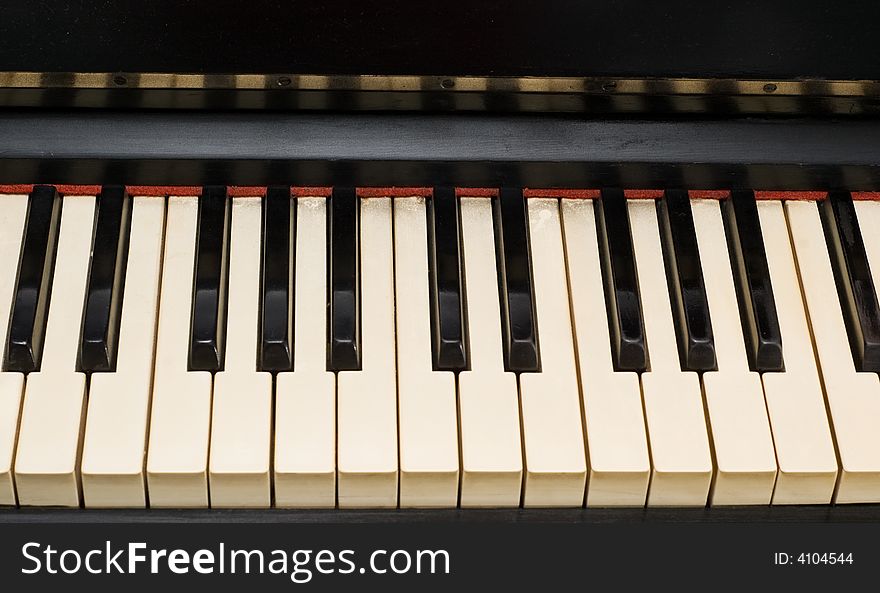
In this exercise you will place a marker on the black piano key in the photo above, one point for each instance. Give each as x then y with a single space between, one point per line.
444 262
344 335
100 326
690 305
276 323
628 348
855 285
27 323
515 278
209 296
751 273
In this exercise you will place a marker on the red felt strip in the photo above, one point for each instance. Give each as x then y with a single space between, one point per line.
246 191
163 190
368 192
311 192
67 190
530 192
866 195
16 189
394 192
79 190
476 192
643 194
790 195
708 194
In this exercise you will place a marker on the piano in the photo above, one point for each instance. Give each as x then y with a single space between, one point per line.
478 256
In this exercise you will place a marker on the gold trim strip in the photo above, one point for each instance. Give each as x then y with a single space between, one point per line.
458 84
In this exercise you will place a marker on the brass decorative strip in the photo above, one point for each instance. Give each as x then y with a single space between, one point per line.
458 84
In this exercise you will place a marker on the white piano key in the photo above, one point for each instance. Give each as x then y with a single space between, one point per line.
680 455
241 420
367 399
13 213
119 402
553 435
489 420
615 426
427 402
853 398
305 408
177 458
47 458
795 403
738 422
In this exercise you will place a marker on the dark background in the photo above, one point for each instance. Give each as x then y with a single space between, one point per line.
773 39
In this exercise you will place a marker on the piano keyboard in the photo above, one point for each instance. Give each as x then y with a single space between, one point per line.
441 349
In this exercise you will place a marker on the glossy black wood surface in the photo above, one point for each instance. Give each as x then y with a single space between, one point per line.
751 274
628 349
446 288
428 150
690 304
516 286
208 323
855 282
276 281
815 100
30 300
344 319
106 283
750 514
